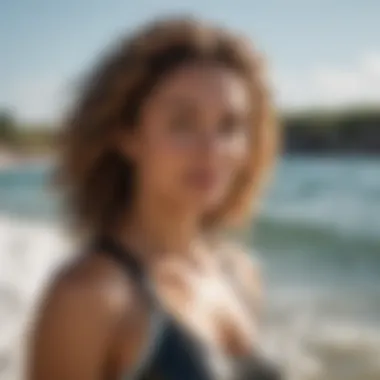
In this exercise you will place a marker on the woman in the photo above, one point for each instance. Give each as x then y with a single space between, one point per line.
171 140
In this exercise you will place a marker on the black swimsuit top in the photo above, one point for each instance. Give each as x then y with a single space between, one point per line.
172 353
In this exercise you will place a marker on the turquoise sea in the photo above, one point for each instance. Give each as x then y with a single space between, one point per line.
317 236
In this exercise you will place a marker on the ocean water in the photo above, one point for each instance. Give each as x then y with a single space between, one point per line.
317 236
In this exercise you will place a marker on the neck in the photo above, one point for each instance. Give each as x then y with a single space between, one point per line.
158 228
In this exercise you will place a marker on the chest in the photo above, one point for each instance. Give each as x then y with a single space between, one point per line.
210 306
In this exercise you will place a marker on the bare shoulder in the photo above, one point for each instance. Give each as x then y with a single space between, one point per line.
78 321
91 281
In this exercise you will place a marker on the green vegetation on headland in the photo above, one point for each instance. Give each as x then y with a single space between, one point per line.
21 138
350 131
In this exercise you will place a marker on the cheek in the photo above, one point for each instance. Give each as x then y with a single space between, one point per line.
235 155
164 162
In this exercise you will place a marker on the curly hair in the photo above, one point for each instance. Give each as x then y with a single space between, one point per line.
99 181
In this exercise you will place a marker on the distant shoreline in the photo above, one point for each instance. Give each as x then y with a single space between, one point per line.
13 160
320 133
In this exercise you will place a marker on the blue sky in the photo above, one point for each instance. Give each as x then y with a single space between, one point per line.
322 52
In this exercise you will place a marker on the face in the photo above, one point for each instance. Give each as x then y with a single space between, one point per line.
192 140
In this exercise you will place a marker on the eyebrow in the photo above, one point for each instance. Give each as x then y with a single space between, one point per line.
190 105
181 102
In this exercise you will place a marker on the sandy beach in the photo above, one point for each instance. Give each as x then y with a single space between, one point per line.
10 159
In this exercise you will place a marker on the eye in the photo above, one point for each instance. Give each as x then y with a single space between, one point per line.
232 125
182 123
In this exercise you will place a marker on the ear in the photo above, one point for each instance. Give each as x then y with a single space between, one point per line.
127 143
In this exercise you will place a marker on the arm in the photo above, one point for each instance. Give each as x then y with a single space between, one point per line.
77 327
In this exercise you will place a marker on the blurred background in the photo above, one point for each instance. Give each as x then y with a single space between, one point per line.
318 233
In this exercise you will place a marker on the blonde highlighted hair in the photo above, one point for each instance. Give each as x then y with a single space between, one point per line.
98 181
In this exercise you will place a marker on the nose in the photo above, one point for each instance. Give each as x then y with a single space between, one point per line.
210 145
